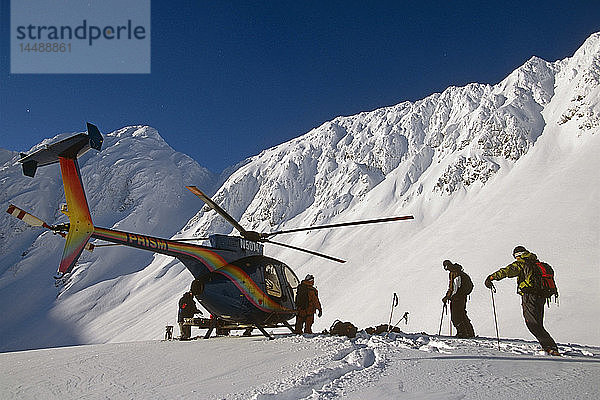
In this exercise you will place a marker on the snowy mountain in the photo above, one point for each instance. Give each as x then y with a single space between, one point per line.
483 168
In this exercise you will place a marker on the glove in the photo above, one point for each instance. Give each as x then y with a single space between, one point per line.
320 313
488 282
445 299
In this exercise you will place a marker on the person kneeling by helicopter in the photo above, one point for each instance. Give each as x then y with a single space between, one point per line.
307 302
187 309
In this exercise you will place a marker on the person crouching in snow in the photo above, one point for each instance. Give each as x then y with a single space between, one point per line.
307 303
187 309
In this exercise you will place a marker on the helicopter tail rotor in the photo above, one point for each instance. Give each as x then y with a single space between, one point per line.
26 217
34 221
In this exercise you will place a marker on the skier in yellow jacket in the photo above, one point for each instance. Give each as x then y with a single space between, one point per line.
531 302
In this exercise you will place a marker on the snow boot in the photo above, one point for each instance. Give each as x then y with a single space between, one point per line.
552 352
469 331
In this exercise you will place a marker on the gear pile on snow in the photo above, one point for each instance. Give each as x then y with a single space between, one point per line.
340 328
383 328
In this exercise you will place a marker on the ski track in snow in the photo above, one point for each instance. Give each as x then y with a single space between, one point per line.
365 359
356 362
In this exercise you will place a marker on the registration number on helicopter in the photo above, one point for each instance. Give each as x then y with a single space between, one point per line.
250 246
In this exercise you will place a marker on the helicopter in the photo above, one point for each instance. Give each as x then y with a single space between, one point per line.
233 280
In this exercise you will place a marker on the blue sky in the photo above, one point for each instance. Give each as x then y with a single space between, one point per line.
230 79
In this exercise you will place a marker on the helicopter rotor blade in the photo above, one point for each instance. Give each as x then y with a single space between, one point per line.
24 216
171 240
187 239
219 210
314 253
365 222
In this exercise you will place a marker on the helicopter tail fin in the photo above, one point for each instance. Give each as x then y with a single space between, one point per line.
66 153
80 220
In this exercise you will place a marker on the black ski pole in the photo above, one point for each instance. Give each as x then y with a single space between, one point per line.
492 290
442 319
404 317
394 304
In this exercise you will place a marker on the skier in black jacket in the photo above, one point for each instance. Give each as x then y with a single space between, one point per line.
459 287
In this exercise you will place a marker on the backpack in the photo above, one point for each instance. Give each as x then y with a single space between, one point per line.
340 328
466 285
384 328
302 297
542 279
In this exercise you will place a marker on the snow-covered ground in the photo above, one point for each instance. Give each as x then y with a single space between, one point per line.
401 366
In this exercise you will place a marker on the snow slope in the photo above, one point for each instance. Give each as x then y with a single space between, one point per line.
483 168
401 366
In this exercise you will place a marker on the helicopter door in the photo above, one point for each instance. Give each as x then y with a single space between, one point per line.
291 285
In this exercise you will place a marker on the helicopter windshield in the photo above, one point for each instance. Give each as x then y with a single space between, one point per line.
271 281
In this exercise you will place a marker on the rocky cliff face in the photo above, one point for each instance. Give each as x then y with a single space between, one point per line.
433 147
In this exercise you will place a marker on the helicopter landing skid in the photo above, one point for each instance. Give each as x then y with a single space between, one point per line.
260 328
291 328
264 332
